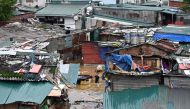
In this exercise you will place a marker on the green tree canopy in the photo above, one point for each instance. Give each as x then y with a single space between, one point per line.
6 9
186 1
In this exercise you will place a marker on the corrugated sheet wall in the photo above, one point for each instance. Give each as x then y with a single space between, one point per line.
155 97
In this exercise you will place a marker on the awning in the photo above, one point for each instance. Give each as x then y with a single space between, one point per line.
56 92
172 37
70 72
119 21
35 92
183 60
7 52
112 20
184 66
35 68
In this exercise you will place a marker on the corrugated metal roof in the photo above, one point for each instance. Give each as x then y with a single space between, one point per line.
35 92
35 68
120 21
60 10
29 9
90 52
135 7
176 29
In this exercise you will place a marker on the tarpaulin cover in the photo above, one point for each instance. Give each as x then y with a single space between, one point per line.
122 61
103 51
184 66
172 37
35 92
35 68
70 72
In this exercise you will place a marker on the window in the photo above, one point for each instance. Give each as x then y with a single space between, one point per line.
30 1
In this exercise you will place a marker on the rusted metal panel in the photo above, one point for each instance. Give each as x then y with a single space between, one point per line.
177 81
144 49
90 52
121 82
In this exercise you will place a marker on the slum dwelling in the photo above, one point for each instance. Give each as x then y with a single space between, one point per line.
137 66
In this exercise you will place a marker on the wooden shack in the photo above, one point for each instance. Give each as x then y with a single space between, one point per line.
148 54
149 57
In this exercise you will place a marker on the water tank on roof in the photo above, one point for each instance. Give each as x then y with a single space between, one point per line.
141 37
127 37
89 10
134 38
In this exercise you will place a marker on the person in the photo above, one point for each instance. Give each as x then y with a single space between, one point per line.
107 83
97 79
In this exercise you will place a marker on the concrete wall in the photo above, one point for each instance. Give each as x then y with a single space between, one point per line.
90 23
133 15
70 22
33 3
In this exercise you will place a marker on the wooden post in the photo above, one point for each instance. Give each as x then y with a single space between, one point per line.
142 60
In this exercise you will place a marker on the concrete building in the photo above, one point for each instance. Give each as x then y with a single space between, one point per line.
68 14
32 3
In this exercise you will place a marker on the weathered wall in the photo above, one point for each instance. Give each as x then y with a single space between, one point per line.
9 106
146 49
141 16
176 4
70 22
121 82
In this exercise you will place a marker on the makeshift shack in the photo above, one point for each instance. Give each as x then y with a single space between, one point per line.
137 66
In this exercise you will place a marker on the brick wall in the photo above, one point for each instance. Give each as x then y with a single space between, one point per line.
176 4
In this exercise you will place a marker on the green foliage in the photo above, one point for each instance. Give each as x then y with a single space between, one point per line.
10 75
52 70
186 1
6 9
185 8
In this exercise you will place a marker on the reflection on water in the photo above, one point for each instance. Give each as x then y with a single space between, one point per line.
155 97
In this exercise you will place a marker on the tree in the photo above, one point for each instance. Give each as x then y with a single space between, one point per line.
186 1
186 7
6 9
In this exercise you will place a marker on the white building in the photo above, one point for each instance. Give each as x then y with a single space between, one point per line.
32 3
165 2
67 14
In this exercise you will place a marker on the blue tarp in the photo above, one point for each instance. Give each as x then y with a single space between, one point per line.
172 37
122 61
103 51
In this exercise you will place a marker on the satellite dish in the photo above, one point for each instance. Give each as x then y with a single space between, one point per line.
75 17
89 9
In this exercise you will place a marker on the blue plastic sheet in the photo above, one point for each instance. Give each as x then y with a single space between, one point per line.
172 37
122 61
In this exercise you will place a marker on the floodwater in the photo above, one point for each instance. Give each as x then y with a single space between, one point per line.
87 95
155 97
